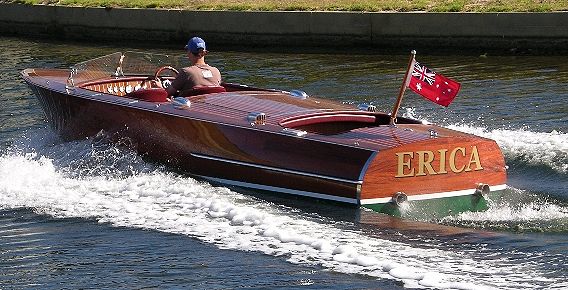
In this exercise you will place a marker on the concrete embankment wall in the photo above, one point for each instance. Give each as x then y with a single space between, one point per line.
508 32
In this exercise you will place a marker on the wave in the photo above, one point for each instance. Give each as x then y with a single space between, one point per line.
533 148
94 156
521 145
519 211
148 197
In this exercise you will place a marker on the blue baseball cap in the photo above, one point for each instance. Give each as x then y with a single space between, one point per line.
195 44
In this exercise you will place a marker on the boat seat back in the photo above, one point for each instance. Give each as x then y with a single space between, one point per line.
203 90
150 95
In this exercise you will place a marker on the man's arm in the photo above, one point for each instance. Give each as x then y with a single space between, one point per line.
171 90
177 84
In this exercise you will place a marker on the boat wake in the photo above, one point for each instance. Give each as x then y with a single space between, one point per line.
537 149
518 211
79 180
531 148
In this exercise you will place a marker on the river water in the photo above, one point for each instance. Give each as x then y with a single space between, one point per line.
88 214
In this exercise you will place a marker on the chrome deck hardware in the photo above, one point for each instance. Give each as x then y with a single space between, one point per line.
367 107
433 133
256 118
181 103
399 198
294 132
298 94
482 189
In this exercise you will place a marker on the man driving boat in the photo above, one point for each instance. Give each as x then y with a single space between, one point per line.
199 74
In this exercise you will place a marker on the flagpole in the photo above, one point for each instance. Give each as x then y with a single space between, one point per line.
403 87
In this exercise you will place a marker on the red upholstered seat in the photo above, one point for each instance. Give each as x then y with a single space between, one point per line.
202 90
150 95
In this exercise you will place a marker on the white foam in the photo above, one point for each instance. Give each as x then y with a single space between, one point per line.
176 204
541 212
528 212
537 148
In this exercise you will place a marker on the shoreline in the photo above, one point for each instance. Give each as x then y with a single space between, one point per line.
502 33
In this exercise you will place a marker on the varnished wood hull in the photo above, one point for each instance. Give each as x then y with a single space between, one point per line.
364 166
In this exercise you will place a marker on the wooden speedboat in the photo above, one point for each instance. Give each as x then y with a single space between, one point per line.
273 140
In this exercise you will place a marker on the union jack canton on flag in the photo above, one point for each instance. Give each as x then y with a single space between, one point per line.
432 86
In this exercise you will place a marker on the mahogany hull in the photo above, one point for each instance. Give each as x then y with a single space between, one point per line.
347 162
227 153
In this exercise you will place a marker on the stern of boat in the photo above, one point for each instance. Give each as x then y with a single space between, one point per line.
435 177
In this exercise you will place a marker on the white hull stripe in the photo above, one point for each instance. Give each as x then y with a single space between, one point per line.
346 199
432 195
276 169
282 190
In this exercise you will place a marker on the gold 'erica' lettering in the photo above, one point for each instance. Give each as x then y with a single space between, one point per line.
453 159
442 161
422 163
402 164
474 159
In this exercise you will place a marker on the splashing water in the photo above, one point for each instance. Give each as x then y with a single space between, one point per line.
168 202
518 211
534 148
92 180
549 149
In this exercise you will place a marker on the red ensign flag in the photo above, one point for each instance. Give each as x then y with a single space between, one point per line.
434 87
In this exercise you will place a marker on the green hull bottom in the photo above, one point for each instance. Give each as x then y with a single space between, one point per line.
436 208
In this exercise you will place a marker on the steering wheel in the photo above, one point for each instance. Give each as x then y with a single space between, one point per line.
165 83
153 81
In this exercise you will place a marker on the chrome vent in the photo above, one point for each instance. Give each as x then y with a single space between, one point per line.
294 132
181 103
433 133
256 118
367 107
298 94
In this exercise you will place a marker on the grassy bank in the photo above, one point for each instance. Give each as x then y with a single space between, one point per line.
324 5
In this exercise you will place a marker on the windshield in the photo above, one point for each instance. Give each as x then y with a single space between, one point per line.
117 64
